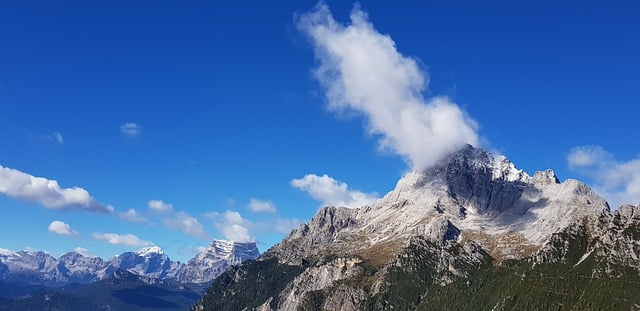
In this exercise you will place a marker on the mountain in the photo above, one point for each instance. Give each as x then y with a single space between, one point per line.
146 279
40 268
215 259
472 232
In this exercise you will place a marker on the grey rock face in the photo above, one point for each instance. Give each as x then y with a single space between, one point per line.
214 260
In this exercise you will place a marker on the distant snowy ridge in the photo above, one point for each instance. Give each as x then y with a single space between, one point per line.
38 267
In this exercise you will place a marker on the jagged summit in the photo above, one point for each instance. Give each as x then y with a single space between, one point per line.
478 194
147 251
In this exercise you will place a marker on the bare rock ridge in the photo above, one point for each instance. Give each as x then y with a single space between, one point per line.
473 211
40 268
470 195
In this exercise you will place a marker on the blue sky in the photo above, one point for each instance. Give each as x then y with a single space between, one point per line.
199 116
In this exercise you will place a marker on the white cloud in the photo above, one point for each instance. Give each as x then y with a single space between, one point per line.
363 73
20 185
618 182
55 137
83 251
6 252
185 223
261 206
584 156
232 226
331 192
132 215
121 239
62 228
159 206
130 129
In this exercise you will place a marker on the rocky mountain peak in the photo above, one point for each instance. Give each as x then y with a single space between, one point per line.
470 194
149 251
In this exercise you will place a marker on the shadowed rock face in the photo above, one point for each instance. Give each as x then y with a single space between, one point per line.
464 213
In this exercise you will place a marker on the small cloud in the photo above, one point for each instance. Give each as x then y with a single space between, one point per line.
232 226
6 252
131 129
55 137
331 192
133 216
185 223
83 251
62 228
585 156
617 181
363 74
261 206
158 206
121 239
48 193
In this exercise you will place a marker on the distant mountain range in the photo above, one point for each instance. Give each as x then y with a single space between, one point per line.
40 268
143 280
472 232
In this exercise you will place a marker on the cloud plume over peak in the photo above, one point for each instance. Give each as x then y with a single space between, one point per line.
232 225
362 71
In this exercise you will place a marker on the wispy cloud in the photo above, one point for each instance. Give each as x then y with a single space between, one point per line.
232 225
363 73
121 239
177 220
131 129
331 192
617 181
48 193
134 216
55 137
261 206
59 227
159 206
185 223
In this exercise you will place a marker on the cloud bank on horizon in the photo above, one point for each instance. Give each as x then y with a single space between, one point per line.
362 72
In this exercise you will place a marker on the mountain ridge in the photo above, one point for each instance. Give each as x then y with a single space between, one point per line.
472 216
40 268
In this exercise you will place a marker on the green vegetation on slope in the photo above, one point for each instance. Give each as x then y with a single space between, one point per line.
249 286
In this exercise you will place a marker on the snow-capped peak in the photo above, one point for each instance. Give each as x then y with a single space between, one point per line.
6 252
221 247
147 251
